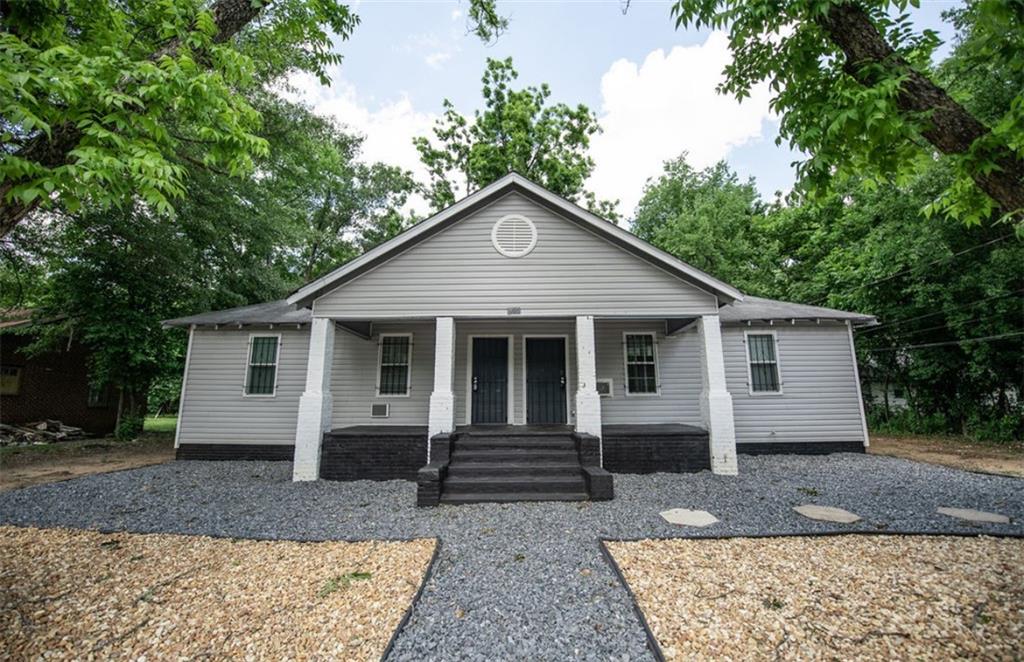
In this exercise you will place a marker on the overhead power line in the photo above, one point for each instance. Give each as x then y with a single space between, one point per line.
940 312
919 266
951 342
938 327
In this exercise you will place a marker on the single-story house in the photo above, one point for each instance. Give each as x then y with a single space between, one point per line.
515 346
53 384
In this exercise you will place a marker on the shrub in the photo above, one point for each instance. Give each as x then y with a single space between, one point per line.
130 427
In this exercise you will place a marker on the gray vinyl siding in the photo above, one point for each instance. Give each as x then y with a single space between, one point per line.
458 272
354 377
819 400
679 377
519 329
214 409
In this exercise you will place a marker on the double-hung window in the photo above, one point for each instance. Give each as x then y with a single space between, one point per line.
261 375
393 371
641 364
763 363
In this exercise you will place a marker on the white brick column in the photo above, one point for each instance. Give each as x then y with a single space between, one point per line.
715 401
588 402
315 403
442 399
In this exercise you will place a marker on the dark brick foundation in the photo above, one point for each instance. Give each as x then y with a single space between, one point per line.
644 449
430 477
801 448
599 481
373 454
275 452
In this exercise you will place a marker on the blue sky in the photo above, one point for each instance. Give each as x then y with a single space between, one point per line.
651 85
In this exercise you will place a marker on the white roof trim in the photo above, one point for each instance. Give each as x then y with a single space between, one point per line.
316 288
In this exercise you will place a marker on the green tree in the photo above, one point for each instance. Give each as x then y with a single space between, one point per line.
936 286
856 90
311 205
128 269
709 219
99 99
113 273
518 130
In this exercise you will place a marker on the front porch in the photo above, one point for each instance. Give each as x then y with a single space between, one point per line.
511 462
622 394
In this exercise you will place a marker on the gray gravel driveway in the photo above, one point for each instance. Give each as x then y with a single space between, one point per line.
519 581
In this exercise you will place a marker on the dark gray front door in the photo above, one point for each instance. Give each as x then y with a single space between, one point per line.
490 381
545 381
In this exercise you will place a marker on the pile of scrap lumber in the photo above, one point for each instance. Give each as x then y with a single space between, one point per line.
40 432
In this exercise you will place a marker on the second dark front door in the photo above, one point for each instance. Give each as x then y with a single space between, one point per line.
545 381
490 381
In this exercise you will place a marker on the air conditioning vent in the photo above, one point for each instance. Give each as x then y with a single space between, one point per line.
604 388
514 235
380 409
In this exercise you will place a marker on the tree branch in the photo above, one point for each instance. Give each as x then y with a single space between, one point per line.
950 129
52 151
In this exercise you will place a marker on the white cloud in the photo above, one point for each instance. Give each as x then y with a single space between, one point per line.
436 59
388 127
653 112
434 50
456 14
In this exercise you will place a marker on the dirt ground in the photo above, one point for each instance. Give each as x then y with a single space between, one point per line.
30 465
85 595
1003 459
830 598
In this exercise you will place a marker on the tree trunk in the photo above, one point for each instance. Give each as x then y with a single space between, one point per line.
52 151
951 129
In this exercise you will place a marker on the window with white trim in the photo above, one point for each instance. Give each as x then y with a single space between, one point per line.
393 372
764 363
261 375
641 364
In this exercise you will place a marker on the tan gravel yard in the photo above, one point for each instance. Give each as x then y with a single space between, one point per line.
81 594
837 597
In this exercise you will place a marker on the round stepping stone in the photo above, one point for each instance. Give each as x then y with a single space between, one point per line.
979 516
684 517
827 513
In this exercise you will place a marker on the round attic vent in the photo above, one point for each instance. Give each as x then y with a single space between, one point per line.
514 235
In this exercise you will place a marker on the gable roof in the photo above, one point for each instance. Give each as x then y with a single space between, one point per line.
512 183
749 310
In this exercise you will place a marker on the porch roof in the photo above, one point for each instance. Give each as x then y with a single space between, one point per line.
270 312
750 309
757 308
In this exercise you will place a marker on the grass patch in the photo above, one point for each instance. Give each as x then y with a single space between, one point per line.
166 424
809 491
342 581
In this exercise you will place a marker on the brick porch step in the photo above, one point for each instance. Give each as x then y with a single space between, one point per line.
497 497
455 485
517 468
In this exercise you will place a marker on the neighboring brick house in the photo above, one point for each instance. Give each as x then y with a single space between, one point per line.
50 385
